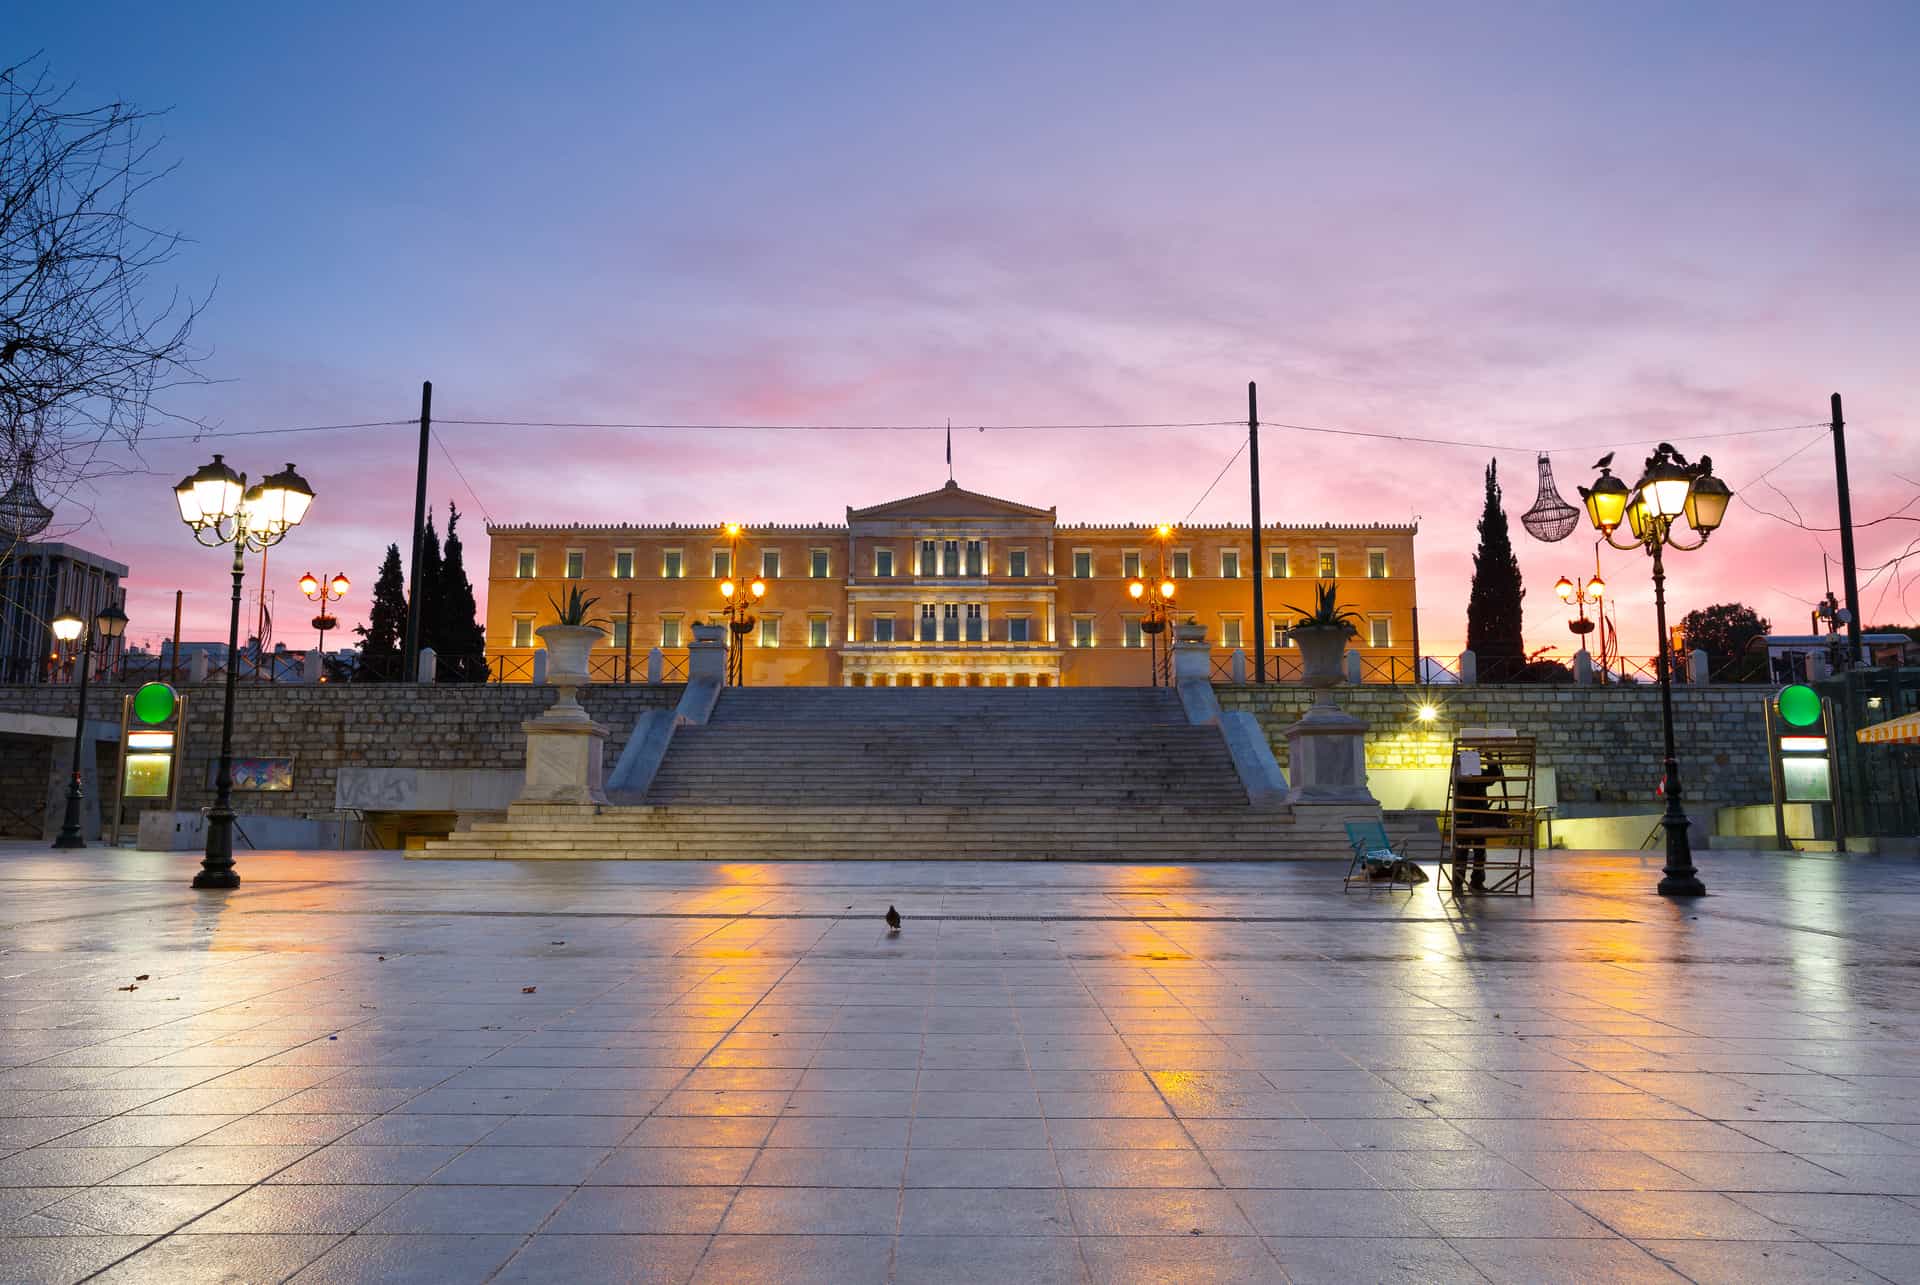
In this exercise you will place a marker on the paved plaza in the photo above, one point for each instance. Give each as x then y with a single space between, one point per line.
358 1068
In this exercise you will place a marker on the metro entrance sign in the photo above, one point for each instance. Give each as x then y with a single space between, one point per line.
153 724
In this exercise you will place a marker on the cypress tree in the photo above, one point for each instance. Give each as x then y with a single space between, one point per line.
429 586
1493 605
456 627
386 626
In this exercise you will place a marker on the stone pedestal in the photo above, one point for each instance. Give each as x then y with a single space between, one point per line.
564 757
1327 758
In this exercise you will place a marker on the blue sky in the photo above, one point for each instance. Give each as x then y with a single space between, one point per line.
1531 226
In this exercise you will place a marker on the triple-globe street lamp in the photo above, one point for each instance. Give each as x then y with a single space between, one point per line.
1669 489
332 589
738 603
108 624
220 509
1158 601
1580 594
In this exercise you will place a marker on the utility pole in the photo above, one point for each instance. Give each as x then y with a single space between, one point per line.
173 670
1849 575
1259 568
410 654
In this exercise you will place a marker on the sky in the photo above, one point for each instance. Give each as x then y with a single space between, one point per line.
1524 227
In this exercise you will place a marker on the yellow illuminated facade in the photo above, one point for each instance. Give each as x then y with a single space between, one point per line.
947 588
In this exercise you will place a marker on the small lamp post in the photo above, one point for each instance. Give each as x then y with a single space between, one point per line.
323 592
70 629
1669 489
220 509
1575 593
738 607
1158 601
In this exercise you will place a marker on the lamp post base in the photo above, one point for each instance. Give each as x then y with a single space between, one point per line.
219 880
1681 880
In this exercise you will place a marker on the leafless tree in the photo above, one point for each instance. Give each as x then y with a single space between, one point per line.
84 351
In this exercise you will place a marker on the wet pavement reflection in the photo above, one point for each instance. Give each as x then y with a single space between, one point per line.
362 1068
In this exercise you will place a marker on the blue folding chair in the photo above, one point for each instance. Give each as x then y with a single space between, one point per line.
1377 861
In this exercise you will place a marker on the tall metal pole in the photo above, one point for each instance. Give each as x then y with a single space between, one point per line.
216 868
410 656
1849 574
1259 568
173 670
1681 880
626 665
70 836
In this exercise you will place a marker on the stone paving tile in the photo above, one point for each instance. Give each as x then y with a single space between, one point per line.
1587 1094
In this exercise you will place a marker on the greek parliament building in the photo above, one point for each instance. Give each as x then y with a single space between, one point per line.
947 588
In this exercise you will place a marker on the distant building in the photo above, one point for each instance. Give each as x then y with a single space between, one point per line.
39 582
948 588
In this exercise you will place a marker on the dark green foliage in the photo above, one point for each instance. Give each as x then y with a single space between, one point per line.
1327 612
382 636
454 630
1493 604
1723 631
573 609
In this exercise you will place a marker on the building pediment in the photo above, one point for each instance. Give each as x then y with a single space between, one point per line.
950 501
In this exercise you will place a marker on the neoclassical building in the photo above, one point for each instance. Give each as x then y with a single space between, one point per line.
949 587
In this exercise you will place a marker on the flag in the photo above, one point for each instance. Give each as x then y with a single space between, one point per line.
949 450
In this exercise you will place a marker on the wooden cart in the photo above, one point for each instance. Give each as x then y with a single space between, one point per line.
1489 828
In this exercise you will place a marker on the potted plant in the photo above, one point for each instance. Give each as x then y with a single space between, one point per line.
1190 631
570 638
1322 635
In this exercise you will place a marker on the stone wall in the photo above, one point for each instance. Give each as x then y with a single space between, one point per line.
366 725
1603 742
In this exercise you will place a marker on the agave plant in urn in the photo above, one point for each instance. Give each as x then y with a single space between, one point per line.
569 640
1322 635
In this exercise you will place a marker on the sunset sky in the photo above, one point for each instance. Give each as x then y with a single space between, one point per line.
1531 227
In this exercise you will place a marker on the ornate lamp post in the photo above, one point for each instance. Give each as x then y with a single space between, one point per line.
1574 593
738 609
1158 600
220 509
1669 488
333 589
69 629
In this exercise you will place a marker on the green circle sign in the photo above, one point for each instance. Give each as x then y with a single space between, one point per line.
1799 705
154 703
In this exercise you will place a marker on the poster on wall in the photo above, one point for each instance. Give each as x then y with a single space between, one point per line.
255 774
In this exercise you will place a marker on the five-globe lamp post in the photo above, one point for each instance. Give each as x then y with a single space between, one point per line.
220 509
110 623
1669 489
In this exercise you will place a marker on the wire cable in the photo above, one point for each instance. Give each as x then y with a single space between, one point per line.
1216 478
215 435
455 464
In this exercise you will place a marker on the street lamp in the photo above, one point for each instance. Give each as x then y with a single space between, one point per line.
323 592
1158 601
1575 593
1669 489
109 624
220 509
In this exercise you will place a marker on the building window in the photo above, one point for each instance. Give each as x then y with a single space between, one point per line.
769 564
929 558
819 564
949 622
670 631
1329 564
1130 564
929 623
623 564
1277 564
976 623
1230 631
1019 629
976 557
1229 564
883 564
769 631
816 631
1376 564
1083 631
1130 635
1017 564
523 631
1182 564
722 564
672 567
576 563
523 570
950 558
620 631
883 629
1278 628
1380 631
1083 564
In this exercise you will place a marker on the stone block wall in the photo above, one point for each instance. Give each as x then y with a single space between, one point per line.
366 725
1603 742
